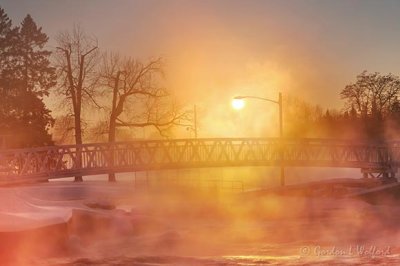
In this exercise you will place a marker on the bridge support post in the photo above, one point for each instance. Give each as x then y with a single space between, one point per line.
111 177
385 174
282 154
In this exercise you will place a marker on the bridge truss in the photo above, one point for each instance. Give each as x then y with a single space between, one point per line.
103 158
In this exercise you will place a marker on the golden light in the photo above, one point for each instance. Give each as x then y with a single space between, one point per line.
238 104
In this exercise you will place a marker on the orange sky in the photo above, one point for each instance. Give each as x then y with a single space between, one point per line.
217 49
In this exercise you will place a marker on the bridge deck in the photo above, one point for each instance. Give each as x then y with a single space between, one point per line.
103 158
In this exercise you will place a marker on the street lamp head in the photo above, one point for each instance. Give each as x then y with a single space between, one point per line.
238 97
238 103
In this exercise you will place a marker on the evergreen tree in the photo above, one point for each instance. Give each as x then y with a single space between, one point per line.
5 29
353 113
8 38
37 74
25 78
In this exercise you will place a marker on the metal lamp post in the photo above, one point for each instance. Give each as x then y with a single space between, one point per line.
193 128
279 102
195 120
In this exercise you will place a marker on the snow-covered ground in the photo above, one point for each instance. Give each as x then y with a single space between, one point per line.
66 223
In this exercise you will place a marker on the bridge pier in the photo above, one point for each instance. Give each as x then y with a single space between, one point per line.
385 174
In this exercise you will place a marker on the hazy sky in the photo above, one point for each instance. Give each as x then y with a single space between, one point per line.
216 49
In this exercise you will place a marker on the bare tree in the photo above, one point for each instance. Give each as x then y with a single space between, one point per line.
63 129
372 94
77 61
137 99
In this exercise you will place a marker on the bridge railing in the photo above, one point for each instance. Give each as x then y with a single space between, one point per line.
101 158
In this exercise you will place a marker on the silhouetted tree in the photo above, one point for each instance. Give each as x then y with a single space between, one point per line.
300 118
25 78
353 113
8 37
63 129
77 60
137 98
34 64
372 93
371 99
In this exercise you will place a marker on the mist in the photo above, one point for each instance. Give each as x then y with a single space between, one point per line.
119 143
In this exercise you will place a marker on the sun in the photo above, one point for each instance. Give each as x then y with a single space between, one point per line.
238 104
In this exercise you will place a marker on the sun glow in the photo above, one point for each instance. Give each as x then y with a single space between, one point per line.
238 104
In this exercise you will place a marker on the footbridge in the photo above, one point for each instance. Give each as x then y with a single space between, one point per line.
103 158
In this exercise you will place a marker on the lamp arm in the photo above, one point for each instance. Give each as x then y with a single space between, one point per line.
259 98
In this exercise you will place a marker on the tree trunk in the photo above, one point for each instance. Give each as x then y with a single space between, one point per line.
112 127
78 141
73 45
111 140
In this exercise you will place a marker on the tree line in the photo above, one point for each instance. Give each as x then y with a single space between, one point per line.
84 79
87 82
371 112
